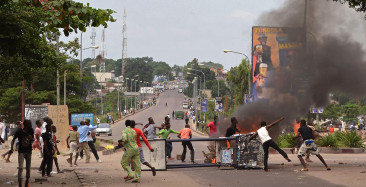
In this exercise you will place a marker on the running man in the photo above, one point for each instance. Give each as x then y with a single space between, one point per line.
308 145
132 153
141 135
164 135
268 142
25 136
150 129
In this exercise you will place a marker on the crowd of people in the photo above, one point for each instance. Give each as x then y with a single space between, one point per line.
80 141
25 140
133 156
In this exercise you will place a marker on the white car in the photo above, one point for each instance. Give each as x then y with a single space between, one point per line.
103 128
180 90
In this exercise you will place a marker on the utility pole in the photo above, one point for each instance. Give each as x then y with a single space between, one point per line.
81 64
58 75
65 72
23 100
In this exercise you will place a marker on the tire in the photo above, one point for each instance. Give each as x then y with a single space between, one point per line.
109 134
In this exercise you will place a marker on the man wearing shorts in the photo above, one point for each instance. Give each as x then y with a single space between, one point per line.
308 145
142 158
73 138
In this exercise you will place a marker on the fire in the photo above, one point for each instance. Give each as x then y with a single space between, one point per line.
252 128
213 160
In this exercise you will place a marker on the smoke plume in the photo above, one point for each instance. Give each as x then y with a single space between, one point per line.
333 61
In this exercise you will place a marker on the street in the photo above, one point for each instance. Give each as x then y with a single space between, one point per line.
158 112
347 169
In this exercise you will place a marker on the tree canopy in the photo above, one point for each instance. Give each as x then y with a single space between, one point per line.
358 5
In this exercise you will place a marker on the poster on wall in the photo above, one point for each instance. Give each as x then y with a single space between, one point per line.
274 53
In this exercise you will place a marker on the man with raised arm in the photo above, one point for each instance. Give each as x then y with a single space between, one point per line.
142 158
308 145
268 142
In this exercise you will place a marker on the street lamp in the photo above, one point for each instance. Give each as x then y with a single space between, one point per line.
250 66
204 78
118 89
125 94
81 62
131 92
96 95
218 82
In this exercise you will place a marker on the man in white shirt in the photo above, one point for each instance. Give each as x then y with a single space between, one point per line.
268 142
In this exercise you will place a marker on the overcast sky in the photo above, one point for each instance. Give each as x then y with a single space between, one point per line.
176 31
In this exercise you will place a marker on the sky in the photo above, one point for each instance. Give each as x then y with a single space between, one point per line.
177 31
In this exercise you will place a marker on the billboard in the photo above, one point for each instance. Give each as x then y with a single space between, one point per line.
35 112
204 104
147 90
218 104
274 50
76 118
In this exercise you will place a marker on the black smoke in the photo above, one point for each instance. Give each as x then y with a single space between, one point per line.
333 60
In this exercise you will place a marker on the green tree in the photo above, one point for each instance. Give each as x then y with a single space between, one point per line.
161 68
350 111
239 76
332 112
358 5
24 49
221 87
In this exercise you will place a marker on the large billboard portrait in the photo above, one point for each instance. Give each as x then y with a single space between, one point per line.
274 51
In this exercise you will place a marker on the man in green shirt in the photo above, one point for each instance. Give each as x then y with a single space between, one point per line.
168 145
132 153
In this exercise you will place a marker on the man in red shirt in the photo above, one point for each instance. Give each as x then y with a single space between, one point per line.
142 158
212 125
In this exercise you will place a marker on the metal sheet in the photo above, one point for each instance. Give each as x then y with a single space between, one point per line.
157 158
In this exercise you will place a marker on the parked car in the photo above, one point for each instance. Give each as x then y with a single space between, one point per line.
103 128
185 105
180 90
179 115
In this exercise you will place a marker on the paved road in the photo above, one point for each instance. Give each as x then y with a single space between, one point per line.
158 112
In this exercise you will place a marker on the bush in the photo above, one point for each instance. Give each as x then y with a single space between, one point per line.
349 139
286 140
329 140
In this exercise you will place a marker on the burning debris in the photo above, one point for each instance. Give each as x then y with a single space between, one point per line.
331 58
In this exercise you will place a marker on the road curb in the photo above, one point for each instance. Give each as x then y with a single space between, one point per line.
327 150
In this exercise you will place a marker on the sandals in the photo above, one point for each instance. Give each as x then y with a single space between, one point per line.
305 169
129 178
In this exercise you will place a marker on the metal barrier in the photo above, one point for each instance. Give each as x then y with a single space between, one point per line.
173 166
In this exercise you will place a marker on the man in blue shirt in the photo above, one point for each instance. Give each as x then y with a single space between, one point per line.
83 131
